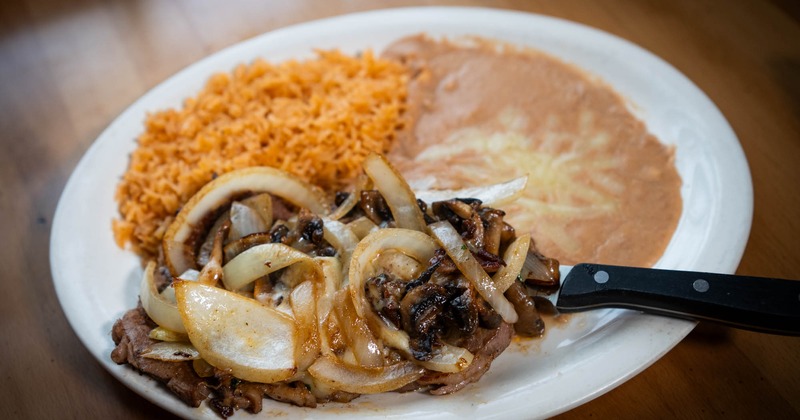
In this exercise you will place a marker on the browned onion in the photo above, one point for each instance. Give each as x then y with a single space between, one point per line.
398 195
342 238
367 350
332 281
362 227
364 380
261 260
515 259
303 302
163 334
168 351
362 183
163 312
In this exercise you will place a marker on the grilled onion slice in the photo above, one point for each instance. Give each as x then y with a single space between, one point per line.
160 310
367 351
163 334
179 246
303 302
261 260
245 221
336 374
332 281
394 189
255 342
515 259
494 195
414 244
172 351
343 239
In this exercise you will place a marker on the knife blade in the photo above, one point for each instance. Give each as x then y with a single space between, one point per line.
761 304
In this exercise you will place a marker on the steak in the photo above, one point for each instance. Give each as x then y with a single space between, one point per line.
486 345
130 334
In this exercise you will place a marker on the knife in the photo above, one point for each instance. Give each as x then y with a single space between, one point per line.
759 304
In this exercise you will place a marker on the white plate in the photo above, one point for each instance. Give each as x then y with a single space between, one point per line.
97 282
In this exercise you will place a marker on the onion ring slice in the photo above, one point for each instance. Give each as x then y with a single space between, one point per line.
161 311
336 374
178 239
255 342
515 258
395 190
261 260
341 237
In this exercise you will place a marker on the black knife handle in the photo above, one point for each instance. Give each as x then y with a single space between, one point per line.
753 303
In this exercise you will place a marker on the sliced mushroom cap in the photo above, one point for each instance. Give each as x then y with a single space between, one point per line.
540 271
375 207
530 324
421 310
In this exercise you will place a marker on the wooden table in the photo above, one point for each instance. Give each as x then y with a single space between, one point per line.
67 69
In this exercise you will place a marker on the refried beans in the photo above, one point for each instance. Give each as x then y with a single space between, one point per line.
601 188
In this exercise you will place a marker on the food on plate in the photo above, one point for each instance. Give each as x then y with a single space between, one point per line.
316 119
267 287
602 189
286 257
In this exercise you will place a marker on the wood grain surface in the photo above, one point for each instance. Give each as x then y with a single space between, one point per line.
68 68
